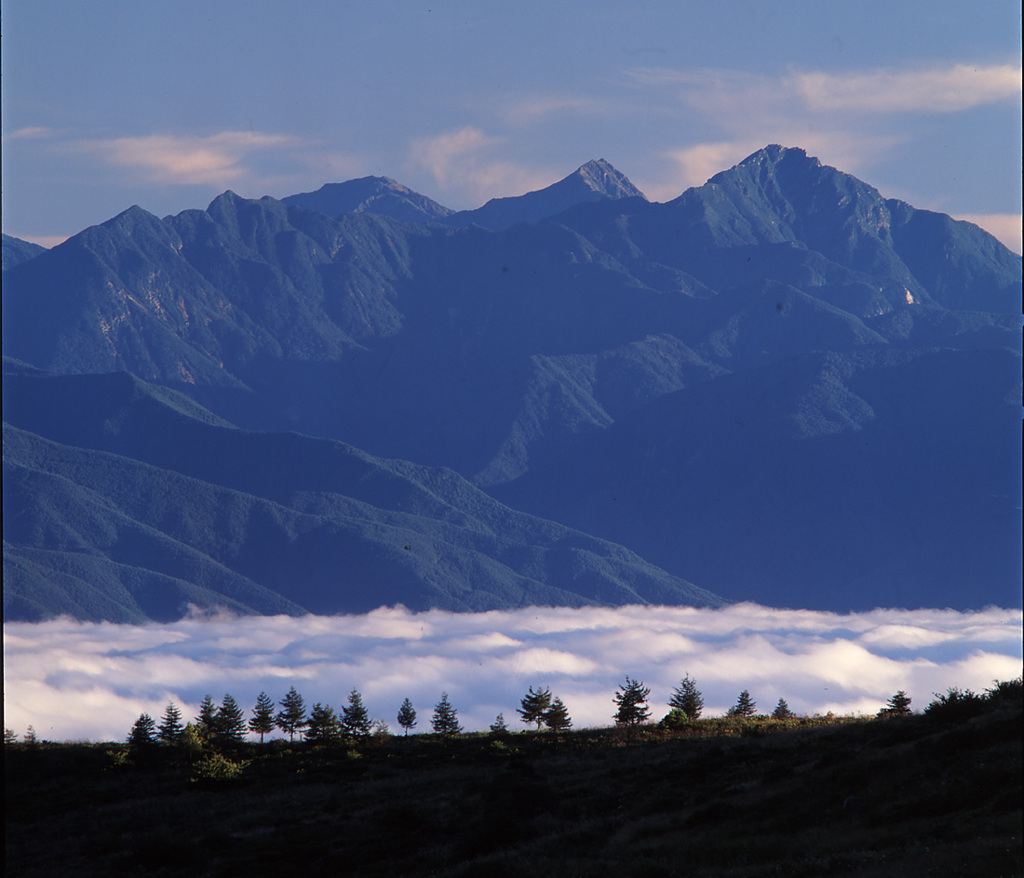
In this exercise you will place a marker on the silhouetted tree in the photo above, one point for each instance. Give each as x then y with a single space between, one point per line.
687 698
898 705
355 721
10 736
230 721
141 739
499 727
745 706
262 721
292 715
170 728
782 710
323 726
557 717
30 736
533 705
206 721
631 699
407 715
445 721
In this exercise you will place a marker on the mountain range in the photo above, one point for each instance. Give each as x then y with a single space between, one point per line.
780 386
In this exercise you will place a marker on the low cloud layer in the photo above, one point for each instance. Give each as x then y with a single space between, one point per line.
86 681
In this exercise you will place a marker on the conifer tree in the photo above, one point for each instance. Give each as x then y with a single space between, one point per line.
206 721
292 716
230 721
407 715
557 717
30 736
687 698
745 706
262 721
533 706
355 721
631 699
898 705
170 728
445 721
499 727
323 726
141 737
782 710
10 736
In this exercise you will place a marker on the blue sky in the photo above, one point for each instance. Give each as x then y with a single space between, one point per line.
165 105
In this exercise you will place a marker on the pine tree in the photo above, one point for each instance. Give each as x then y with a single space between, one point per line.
445 721
782 710
499 727
407 715
323 726
745 706
632 701
557 717
30 736
292 715
141 738
898 705
533 706
206 721
355 721
687 698
10 736
262 721
170 728
230 721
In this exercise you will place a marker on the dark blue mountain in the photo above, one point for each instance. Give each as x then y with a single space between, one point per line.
126 501
377 195
16 251
595 181
613 342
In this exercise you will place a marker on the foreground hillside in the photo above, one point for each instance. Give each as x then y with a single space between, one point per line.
781 385
920 795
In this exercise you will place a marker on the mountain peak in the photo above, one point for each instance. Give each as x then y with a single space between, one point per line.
600 176
378 195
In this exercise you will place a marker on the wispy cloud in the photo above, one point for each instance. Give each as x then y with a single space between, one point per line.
171 159
465 164
938 90
89 681
32 132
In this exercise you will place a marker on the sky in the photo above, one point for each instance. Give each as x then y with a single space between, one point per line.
90 681
112 103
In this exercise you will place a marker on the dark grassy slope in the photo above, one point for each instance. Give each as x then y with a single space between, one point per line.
893 798
509 355
125 501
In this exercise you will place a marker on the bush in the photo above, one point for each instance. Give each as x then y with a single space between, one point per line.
955 705
674 720
1009 693
216 768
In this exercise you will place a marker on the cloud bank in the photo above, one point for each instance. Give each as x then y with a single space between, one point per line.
89 681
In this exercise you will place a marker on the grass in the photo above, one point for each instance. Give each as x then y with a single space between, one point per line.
805 797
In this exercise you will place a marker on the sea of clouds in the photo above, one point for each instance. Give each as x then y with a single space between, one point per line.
89 681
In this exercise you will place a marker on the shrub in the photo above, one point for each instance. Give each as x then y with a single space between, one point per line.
955 705
675 720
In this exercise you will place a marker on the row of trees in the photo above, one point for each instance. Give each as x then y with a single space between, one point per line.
225 724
